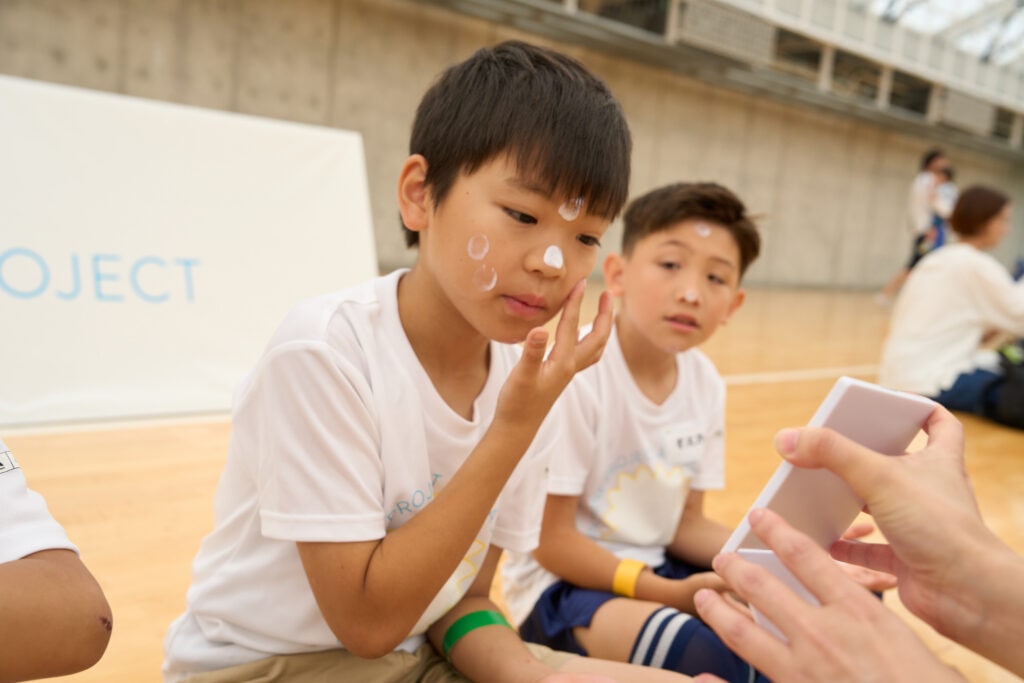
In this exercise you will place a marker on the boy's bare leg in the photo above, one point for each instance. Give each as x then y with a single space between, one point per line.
621 672
615 627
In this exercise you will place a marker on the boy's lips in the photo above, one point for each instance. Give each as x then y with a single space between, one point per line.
683 322
525 305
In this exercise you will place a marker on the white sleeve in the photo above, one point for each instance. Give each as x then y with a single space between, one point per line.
320 474
999 299
521 504
573 461
26 525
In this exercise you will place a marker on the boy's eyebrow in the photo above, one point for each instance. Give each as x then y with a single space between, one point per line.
720 259
528 185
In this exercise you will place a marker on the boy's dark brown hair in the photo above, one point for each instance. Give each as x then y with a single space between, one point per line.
975 207
556 120
666 206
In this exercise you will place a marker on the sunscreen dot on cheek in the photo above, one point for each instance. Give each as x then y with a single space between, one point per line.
570 211
553 257
478 247
485 278
703 229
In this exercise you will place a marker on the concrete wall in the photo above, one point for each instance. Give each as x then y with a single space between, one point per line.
832 190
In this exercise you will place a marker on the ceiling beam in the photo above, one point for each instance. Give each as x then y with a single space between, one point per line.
978 19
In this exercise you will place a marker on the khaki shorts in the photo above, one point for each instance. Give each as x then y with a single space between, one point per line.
341 666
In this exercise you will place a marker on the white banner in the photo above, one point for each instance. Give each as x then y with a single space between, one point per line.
148 250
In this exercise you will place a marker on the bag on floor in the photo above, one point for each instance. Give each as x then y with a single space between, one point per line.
1009 409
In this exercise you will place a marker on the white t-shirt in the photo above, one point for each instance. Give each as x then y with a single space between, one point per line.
921 202
953 296
630 461
338 436
26 526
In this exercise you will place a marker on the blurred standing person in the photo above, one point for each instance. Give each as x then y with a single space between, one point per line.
946 194
922 204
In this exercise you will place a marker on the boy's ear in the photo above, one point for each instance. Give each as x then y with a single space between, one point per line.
737 300
413 195
612 269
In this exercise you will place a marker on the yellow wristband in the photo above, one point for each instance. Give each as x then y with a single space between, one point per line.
626 576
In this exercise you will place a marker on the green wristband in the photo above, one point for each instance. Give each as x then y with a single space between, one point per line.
470 622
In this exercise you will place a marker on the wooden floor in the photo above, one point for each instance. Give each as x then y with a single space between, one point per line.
138 498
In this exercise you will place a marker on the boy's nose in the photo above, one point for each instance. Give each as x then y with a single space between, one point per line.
548 260
688 290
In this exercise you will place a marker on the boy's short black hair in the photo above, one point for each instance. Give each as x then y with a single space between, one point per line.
556 120
666 206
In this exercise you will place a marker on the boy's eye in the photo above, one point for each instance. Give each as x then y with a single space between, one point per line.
716 279
669 265
521 217
588 240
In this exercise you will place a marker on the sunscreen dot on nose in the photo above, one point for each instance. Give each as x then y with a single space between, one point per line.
703 229
553 257
690 296
478 246
570 211
485 278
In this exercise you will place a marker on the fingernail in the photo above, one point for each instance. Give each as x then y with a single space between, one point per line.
785 441
700 598
756 515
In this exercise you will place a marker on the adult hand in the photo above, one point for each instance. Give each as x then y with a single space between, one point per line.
922 502
953 572
851 636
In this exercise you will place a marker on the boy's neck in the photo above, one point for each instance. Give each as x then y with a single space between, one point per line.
654 370
452 352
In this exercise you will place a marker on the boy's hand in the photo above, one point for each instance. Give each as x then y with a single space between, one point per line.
688 587
536 382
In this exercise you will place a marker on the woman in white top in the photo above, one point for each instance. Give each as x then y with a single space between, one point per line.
952 303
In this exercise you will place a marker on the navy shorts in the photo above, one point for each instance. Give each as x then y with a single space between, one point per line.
563 607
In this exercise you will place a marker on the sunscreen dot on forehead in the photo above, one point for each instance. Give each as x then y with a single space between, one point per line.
485 278
553 257
690 296
570 211
478 246
703 229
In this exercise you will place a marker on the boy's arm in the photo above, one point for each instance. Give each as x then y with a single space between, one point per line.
54 617
372 593
581 561
697 539
490 653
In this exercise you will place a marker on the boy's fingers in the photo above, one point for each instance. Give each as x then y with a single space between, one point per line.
589 349
567 331
534 347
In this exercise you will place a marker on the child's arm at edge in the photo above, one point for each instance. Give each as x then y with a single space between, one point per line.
54 617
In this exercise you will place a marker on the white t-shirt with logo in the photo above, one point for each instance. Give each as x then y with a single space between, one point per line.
631 462
338 436
26 526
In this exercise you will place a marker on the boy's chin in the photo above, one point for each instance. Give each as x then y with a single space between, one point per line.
514 332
